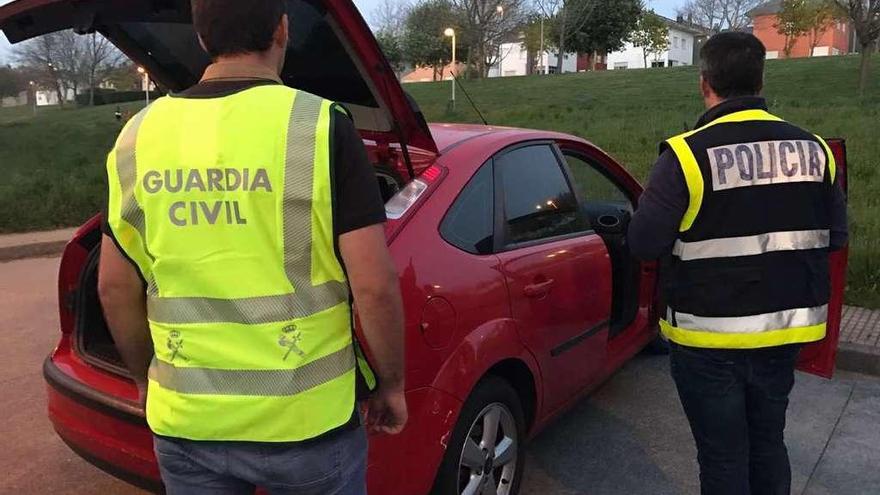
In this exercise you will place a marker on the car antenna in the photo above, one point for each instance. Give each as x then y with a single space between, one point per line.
458 82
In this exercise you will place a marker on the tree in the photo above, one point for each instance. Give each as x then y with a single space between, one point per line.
651 34
484 25
822 15
99 59
125 77
11 82
391 47
793 22
607 27
719 15
865 18
569 17
389 17
67 62
42 56
424 43
532 42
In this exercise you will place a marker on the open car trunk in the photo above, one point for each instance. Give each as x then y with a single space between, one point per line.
332 53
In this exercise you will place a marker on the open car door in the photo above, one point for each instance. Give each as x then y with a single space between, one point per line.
819 358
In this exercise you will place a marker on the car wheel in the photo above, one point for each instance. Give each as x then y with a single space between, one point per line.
485 454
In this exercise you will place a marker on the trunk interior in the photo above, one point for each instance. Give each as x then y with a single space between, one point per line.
92 336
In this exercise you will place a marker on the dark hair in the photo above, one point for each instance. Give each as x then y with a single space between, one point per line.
733 64
230 27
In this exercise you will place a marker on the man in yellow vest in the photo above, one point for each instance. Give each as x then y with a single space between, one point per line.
743 210
241 216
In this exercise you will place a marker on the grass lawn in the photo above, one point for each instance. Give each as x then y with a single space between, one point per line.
54 162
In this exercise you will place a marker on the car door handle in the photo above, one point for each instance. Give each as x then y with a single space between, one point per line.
539 289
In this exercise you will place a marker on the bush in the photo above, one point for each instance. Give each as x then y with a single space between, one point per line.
108 96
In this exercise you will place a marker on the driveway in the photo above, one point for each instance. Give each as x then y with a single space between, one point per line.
629 438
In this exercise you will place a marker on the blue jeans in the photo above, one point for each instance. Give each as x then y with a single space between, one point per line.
335 465
735 401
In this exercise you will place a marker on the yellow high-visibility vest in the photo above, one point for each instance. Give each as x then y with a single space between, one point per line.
224 204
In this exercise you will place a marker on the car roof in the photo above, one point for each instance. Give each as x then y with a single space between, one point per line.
449 135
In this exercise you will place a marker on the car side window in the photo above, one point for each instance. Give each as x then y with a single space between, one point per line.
469 223
593 185
538 202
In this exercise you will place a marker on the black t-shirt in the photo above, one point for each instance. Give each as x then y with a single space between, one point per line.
357 202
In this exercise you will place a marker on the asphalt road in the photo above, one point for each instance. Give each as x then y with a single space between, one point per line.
629 438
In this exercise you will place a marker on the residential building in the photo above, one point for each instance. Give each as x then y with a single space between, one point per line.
683 41
765 19
426 74
515 60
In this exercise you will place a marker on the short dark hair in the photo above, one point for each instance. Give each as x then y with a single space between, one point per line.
733 64
232 27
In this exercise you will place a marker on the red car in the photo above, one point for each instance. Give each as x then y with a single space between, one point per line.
520 293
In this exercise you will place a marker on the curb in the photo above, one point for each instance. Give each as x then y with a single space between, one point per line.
32 250
858 358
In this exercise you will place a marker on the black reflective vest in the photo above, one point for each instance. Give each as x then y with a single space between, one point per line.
750 265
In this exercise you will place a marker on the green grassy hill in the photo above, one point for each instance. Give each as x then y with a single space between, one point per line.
55 173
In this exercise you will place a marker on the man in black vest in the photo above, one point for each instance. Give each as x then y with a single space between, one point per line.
743 212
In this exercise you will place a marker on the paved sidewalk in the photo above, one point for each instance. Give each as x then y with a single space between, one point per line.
33 244
859 348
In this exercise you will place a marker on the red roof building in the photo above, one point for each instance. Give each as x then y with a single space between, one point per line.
834 41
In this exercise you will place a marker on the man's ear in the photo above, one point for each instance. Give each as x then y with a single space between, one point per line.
705 89
282 33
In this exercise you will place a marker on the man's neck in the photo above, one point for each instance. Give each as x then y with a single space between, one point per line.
245 66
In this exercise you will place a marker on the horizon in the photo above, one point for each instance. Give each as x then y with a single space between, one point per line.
367 7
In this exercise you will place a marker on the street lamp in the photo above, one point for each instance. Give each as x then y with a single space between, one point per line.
500 10
146 83
34 91
449 32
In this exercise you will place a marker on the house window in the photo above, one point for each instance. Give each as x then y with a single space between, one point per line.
657 63
684 44
675 42
620 65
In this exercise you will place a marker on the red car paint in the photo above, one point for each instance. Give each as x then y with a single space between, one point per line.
466 315
481 330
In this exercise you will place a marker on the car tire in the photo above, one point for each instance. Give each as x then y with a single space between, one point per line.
492 402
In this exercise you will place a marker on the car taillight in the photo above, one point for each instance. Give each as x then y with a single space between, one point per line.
397 207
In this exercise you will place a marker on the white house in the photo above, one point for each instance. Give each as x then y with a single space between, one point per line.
47 97
514 61
682 47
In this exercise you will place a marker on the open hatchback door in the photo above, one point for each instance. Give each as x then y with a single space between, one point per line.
332 53
818 358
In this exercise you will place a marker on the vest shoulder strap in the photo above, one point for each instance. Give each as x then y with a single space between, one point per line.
691 169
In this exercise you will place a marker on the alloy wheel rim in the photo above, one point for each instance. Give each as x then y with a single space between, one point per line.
487 465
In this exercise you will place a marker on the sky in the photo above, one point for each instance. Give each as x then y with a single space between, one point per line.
662 7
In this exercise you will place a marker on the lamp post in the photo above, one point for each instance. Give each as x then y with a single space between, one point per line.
34 91
146 83
542 44
500 10
451 33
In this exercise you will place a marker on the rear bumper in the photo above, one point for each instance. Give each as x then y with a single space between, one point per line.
111 433
107 431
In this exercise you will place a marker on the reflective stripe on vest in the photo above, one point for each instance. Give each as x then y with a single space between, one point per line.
276 365
751 245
